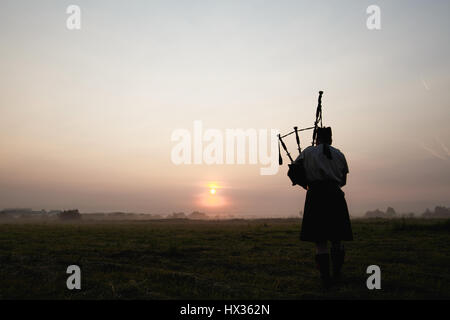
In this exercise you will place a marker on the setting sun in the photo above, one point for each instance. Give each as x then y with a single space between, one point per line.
210 197
212 188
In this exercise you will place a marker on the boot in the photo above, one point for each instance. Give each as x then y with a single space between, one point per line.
323 265
337 259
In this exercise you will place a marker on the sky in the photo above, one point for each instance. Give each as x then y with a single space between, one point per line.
87 116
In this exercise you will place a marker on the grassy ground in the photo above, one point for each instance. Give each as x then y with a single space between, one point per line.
261 259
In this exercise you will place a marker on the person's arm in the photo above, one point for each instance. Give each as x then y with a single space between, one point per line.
344 179
344 172
300 172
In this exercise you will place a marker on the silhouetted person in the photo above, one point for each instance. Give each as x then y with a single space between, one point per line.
325 216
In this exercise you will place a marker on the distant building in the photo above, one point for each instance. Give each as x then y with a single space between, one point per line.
17 211
54 212
177 215
70 215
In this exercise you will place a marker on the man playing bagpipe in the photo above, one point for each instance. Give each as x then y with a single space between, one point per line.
323 170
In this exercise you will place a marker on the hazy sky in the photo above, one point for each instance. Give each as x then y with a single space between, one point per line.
86 116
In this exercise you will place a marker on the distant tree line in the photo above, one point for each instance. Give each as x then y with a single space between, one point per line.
439 212
74 214
196 215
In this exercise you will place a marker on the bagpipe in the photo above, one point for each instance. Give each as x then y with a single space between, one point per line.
296 170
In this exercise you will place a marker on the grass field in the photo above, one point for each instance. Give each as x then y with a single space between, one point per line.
258 259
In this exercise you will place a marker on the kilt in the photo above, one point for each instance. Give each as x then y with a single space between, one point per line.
325 215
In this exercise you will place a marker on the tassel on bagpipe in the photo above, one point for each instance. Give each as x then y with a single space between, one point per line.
285 149
298 140
280 158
